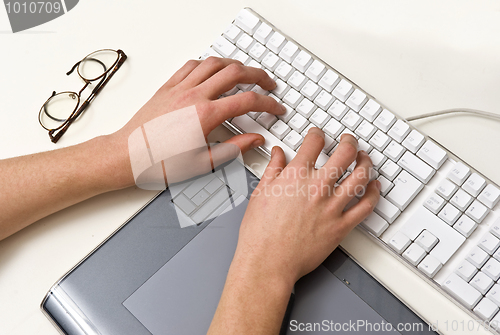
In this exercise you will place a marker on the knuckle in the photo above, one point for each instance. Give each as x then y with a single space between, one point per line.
213 61
235 70
191 63
205 107
251 97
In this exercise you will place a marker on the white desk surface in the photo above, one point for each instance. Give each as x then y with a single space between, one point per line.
415 57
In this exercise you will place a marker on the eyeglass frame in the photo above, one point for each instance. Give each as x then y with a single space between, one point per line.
79 109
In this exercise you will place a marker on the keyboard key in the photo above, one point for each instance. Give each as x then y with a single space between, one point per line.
280 129
247 21
399 131
414 141
292 97
414 254
232 33
432 154
461 199
329 80
362 145
289 51
481 282
375 224
385 120
434 203
387 210
316 70
297 80
370 110
298 123
462 291
247 125
380 140
263 33
333 128
338 110
302 61
426 240
319 118
329 144
394 151
492 269
377 158
213 186
477 257
284 70
290 112
200 197
306 108
490 196
399 242
356 100
343 90
390 170
494 294
406 187
416 167
474 184
446 189
324 100
449 214
477 211
276 42
257 51
210 52
224 47
293 139
430 266
271 61
321 160
386 185
351 120
365 130
466 270
310 90
281 88
486 309
495 228
465 225
459 173
266 120
489 243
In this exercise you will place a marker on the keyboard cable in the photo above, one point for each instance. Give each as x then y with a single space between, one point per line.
455 110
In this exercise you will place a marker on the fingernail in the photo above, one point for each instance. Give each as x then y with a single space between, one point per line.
283 108
273 151
257 143
317 131
379 185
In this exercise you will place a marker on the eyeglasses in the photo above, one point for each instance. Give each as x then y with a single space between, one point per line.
62 109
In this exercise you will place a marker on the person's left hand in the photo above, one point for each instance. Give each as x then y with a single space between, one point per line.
200 83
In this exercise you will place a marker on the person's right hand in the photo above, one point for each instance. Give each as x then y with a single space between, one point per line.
296 216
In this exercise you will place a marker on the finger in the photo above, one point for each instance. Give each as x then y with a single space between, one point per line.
356 181
213 113
205 70
310 148
274 168
365 206
234 74
182 73
246 141
342 157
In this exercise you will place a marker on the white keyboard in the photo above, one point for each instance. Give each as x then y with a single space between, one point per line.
436 214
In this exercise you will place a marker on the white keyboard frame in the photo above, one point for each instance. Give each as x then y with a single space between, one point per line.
459 256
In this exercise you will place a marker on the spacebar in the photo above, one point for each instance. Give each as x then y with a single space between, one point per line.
248 125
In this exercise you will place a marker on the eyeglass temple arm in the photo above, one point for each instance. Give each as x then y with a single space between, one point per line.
103 82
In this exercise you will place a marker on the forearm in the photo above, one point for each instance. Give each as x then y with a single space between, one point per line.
38 185
254 301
